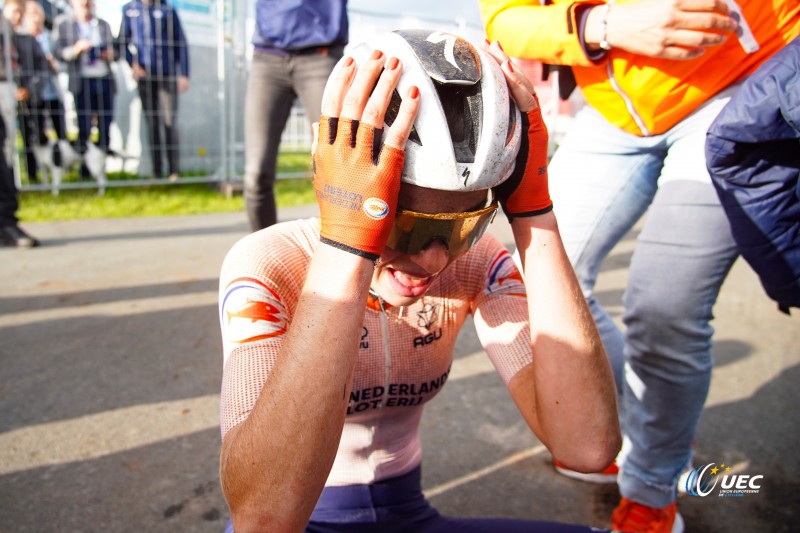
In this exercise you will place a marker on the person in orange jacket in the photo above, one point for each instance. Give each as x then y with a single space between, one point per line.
654 74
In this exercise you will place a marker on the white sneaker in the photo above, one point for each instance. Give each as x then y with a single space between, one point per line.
609 475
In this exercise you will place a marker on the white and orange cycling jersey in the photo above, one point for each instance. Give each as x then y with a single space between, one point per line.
405 353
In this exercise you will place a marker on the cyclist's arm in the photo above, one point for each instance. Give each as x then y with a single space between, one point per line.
274 464
567 395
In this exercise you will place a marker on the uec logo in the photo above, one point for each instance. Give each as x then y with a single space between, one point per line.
376 208
698 483
702 480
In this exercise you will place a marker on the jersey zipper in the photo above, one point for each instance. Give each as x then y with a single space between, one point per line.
628 102
387 353
387 359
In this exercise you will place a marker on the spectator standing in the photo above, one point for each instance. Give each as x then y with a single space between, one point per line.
50 103
154 44
655 74
10 232
32 72
85 43
292 58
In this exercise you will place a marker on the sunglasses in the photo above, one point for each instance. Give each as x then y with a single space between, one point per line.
413 232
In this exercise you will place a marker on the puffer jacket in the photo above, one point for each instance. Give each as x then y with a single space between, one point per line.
753 156
642 95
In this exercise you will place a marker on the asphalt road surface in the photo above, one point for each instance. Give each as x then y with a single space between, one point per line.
109 392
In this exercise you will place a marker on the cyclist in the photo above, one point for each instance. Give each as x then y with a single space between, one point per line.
337 331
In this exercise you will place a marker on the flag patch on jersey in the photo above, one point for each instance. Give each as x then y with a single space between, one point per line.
504 276
251 311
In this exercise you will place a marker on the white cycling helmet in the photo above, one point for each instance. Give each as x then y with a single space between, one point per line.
467 133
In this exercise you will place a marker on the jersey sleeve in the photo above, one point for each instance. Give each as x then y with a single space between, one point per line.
500 309
260 283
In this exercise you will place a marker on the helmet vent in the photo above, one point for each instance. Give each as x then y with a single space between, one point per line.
463 110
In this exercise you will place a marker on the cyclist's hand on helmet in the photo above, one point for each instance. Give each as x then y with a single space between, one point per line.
356 175
525 192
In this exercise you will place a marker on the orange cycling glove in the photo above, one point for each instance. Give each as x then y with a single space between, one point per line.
356 180
525 193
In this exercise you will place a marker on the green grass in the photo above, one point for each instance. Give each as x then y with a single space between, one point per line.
158 200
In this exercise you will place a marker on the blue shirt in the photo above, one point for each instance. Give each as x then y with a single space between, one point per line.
298 24
152 36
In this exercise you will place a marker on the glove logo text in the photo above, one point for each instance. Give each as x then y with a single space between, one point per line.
340 197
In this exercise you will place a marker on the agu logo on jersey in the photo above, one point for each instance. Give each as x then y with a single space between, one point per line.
251 311
702 481
376 208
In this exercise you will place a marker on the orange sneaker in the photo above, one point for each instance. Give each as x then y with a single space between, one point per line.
632 517
609 475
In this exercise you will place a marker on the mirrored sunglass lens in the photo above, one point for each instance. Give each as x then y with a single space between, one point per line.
413 233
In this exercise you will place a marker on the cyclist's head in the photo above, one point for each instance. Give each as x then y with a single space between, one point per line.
465 138
464 142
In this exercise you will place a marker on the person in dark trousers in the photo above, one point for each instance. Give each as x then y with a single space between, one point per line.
85 43
57 154
10 232
31 74
291 59
152 39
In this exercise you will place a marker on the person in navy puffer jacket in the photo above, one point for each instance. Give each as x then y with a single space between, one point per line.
753 156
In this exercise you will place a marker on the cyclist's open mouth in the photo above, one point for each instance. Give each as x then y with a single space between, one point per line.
409 284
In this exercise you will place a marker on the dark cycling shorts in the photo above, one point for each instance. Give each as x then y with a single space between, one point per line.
397 505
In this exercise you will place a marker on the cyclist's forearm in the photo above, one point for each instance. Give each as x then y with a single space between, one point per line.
573 387
275 463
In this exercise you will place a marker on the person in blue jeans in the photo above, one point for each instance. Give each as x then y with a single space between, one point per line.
654 75
291 59
153 42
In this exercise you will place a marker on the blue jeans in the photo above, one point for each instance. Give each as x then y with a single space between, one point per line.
275 82
603 181
397 505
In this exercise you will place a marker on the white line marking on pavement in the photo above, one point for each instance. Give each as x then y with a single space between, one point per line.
101 434
135 306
